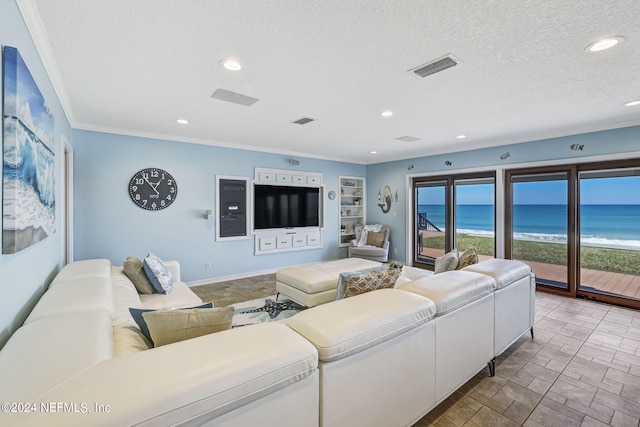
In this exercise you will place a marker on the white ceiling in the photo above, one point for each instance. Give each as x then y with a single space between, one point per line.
133 67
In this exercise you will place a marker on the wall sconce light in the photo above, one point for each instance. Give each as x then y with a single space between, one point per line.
379 195
448 162
396 196
576 147
294 162
207 214
505 156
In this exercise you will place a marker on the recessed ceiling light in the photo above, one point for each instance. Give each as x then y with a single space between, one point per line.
373 152
461 136
232 65
386 113
603 44
182 121
632 103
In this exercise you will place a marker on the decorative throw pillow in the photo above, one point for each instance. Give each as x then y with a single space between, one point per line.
446 262
344 279
134 270
158 274
375 238
357 285
468 257
137 314
171 326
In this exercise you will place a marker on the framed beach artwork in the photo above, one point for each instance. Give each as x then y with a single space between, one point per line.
28 163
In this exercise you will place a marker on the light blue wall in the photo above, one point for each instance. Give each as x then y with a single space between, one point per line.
25 275
109 225
596 145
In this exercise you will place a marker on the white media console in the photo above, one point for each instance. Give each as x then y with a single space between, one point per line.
276 240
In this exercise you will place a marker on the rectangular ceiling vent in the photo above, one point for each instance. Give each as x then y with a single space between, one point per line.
408 138
303 120
234 97
436 66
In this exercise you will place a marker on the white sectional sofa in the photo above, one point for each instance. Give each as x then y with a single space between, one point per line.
76 362
383 358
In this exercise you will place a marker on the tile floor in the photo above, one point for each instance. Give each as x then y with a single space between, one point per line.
581 369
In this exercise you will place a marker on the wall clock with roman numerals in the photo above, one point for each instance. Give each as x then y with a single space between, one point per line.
153 189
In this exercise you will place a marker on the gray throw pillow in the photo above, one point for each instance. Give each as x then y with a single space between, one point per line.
134 270
446 262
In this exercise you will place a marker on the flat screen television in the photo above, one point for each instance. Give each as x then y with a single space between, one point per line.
280 206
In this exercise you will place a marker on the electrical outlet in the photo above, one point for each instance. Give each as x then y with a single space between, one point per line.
207 266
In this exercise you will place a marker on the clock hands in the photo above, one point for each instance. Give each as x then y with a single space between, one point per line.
154 186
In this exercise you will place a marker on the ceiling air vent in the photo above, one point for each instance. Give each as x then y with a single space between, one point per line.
408 138
436 66
303 121
234 97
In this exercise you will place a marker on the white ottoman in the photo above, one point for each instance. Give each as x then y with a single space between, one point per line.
314 284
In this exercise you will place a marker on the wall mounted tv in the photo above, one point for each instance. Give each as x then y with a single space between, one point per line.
279 206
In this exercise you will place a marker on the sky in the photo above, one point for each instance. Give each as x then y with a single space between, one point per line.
595 191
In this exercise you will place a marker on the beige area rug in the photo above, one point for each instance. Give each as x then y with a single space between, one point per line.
236 291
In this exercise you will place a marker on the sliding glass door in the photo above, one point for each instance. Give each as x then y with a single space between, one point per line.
538 223
431 219
454 212
610 233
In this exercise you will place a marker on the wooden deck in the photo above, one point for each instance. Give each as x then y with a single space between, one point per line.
625 285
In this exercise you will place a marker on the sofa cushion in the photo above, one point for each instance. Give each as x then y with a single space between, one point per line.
187 384
169 326
446 262
45 353
86 269
467 258
134 269
504 271
322 276
351 325
360 284
74 295
452 289
158 274
180 296
138 317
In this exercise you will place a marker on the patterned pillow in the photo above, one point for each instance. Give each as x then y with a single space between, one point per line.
446 262
134 270
468 257
375 238
344 279
158 274
370 282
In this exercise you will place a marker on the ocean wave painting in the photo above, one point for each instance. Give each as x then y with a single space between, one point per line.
28 165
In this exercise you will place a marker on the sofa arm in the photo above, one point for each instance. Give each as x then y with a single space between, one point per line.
192 381
174 269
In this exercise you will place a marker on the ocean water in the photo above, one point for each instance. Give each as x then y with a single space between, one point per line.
600 225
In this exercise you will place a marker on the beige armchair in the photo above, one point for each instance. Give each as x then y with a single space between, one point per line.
373 253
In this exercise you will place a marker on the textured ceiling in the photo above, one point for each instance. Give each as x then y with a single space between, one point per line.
133 67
